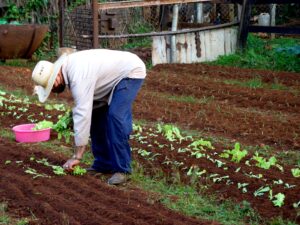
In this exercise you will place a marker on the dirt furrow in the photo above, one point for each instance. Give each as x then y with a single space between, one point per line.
250 127
82 200
200 87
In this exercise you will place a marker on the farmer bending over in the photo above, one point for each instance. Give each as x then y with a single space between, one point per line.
104 84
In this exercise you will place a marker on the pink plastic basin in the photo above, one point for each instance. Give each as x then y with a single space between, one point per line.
25 134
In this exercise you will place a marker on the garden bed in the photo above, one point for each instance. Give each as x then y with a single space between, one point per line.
218 105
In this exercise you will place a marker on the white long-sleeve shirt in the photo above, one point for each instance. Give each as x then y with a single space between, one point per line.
91 76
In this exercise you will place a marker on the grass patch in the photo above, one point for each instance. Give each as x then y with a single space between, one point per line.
188 99
18 63
16 93
6 219
5 133
289 157
257 82
277 54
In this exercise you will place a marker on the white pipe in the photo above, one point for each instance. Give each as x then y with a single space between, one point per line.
199 12
273 14
173 37
273 17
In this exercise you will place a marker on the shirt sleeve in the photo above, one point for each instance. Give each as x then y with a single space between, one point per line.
83 93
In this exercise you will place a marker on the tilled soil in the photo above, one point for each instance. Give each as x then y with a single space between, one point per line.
252 116
196 97
73 200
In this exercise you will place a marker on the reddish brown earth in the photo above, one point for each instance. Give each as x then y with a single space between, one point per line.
73 200
265 118
253 116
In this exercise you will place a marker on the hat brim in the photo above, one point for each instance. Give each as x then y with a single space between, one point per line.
44 92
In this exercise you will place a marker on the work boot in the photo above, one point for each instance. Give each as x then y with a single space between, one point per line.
117 178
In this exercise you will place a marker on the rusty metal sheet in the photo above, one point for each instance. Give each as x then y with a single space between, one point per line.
20 41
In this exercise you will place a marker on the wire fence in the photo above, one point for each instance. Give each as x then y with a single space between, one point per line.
139 20
78 19
136 20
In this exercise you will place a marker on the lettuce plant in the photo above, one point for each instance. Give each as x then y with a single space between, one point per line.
236 154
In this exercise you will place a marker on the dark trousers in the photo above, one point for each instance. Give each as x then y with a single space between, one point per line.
111 127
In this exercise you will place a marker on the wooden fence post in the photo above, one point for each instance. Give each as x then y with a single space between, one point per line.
244 23
61 22
95 12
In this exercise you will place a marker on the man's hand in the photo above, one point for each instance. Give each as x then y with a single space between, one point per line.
70 164
75 160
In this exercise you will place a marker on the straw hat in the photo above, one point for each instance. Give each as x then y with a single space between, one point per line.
44 75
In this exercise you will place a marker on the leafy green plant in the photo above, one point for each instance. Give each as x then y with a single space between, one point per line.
296 205
261 191
137 128
195 170
58 170
59 107
264 163
170 131
243 187
236 154
143 152
295 172
7 162
79 171
201 145
63 126
43 161
25 12
279 200
43 125
35 173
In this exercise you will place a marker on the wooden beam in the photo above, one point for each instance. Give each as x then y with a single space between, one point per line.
164 33
139 3
143 3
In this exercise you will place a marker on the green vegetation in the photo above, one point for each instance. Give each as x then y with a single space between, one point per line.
279 54
187 200
79 171
138 26
236 154
18 63
6 219
63 126
43 125
185 98
31 11
7 134
183 198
